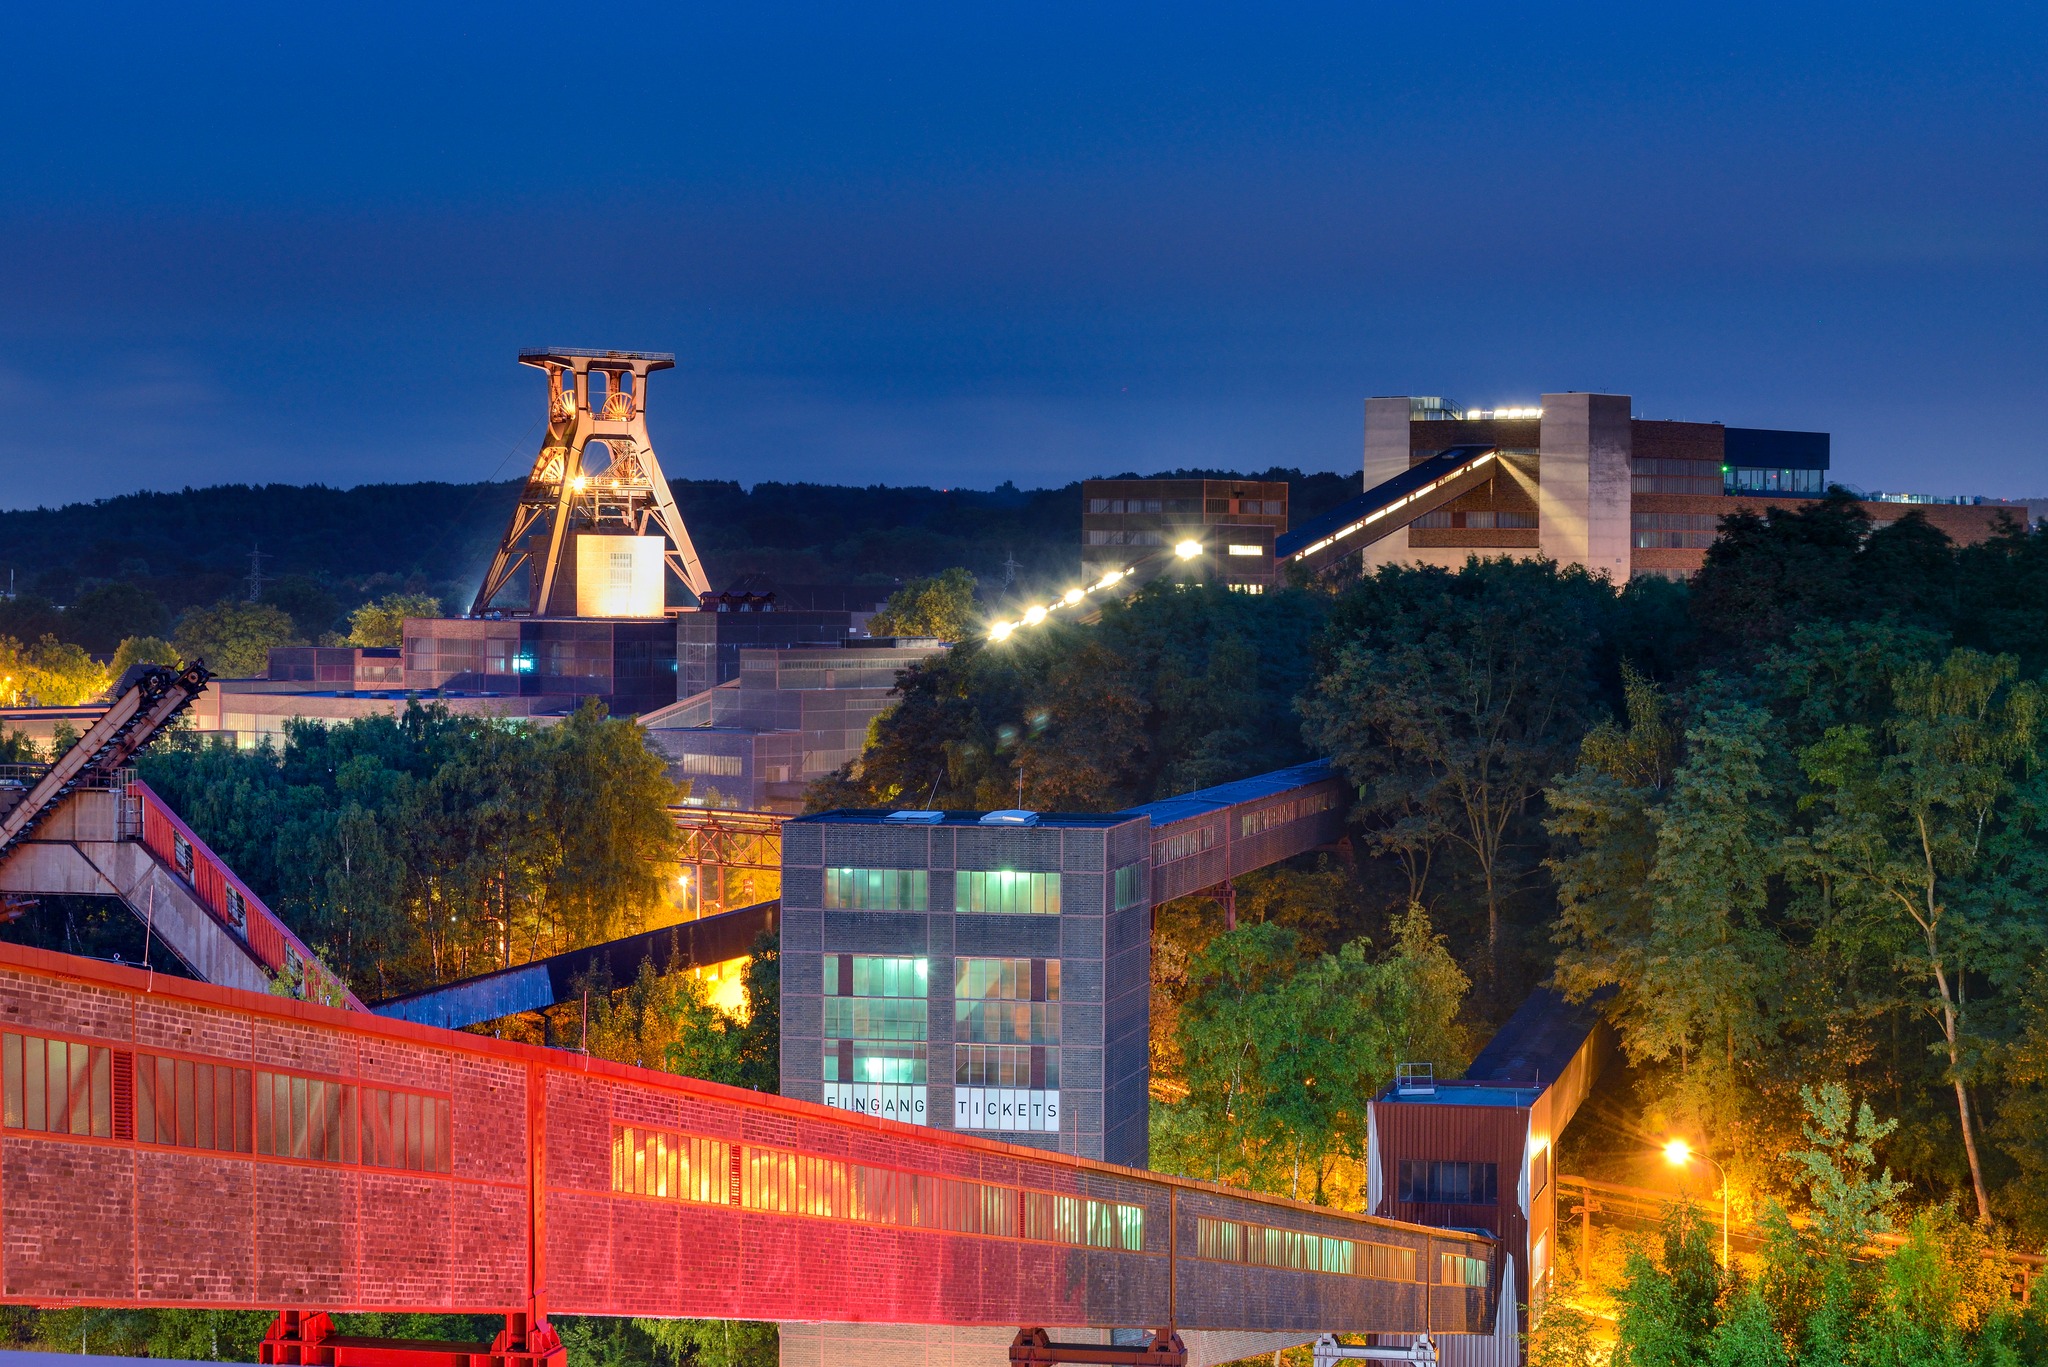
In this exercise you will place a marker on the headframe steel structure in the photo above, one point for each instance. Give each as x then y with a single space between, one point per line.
561 496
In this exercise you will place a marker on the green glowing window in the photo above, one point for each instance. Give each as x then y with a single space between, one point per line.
1130 888
1003 892
877 889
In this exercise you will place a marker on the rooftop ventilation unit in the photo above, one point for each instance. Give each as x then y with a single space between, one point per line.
916 818
1012 817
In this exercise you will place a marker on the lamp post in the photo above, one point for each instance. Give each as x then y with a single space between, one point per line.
1678 1153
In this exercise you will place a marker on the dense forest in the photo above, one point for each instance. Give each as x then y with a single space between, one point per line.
1786 818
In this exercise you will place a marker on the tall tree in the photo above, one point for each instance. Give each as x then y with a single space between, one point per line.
1453 700
940 606
1926 829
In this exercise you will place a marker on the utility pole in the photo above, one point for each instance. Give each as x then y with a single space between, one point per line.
1010 567
256 559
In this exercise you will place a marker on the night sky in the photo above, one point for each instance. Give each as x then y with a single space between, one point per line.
967 243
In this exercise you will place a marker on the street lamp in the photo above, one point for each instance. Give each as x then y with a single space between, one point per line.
1678 1154
1188 550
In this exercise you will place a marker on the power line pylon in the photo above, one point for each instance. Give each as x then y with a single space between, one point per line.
594 397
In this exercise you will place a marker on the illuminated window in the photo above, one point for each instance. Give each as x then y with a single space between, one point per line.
192 1105
877 889
1130 886
1458 1270
622 569
1006 1015
718 766
405 1130
1003 892
1078 1220
671 1167
1236 549
876 1027
57 1087
1231 1241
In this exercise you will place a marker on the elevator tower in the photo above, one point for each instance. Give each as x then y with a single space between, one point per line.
595 479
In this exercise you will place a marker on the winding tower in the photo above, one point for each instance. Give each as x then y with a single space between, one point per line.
596 477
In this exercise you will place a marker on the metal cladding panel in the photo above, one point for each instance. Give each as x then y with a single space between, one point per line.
1416 1129
537 1153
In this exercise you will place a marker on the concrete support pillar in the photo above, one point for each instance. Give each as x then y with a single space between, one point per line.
1584 499
1386 439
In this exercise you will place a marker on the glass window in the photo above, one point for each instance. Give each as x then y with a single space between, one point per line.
876 1025
1130 886
1006 1015
877 889
192 1105
57 1087
1458 1270
1426 1182
1003 892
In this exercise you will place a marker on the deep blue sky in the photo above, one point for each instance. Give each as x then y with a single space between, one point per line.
966 243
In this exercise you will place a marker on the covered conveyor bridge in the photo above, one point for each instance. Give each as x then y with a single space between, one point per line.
1386 508
172 1143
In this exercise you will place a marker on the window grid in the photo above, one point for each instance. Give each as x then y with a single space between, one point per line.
1232 1241
1427 1182
190 1105
877 890
1459 1270
57 1086
1003 892
1130 886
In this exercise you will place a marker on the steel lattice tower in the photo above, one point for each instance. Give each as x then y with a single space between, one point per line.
595 397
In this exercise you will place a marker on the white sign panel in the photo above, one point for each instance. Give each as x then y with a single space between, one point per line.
1002 1108
889 1100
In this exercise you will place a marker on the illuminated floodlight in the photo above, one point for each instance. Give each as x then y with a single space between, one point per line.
1001 631
1188 550
1033 615
1109 579
1678 1153
578 483
1073 597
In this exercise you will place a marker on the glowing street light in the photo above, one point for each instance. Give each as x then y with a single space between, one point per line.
1073 597
1001 631
578 483
1679 1154
1188 550
1033 615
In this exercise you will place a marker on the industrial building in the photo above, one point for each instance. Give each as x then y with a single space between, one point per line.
1583 481
1125 520
792 715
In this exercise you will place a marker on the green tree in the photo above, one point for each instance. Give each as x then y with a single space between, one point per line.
382 623
1925 829
108 612
50 673
234 638
1452 700
1665 895
1282 1050
143 650
941 606
1670 1310
310 604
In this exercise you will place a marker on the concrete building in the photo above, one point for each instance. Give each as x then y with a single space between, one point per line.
1124 521
709 641
791 716
1581 480
972 972
630 664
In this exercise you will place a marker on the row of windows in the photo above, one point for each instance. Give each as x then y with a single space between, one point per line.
1100 538
1267 818
59 1087
1006 893
1183 844
1674 531
1033 1067
679 1167
1744 481
1008 980
996 891
719 766
1478 520
877 890
1231 1241
1428 1182
894 1062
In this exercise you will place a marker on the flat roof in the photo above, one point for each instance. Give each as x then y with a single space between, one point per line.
1205 800
1464 1094
852 816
